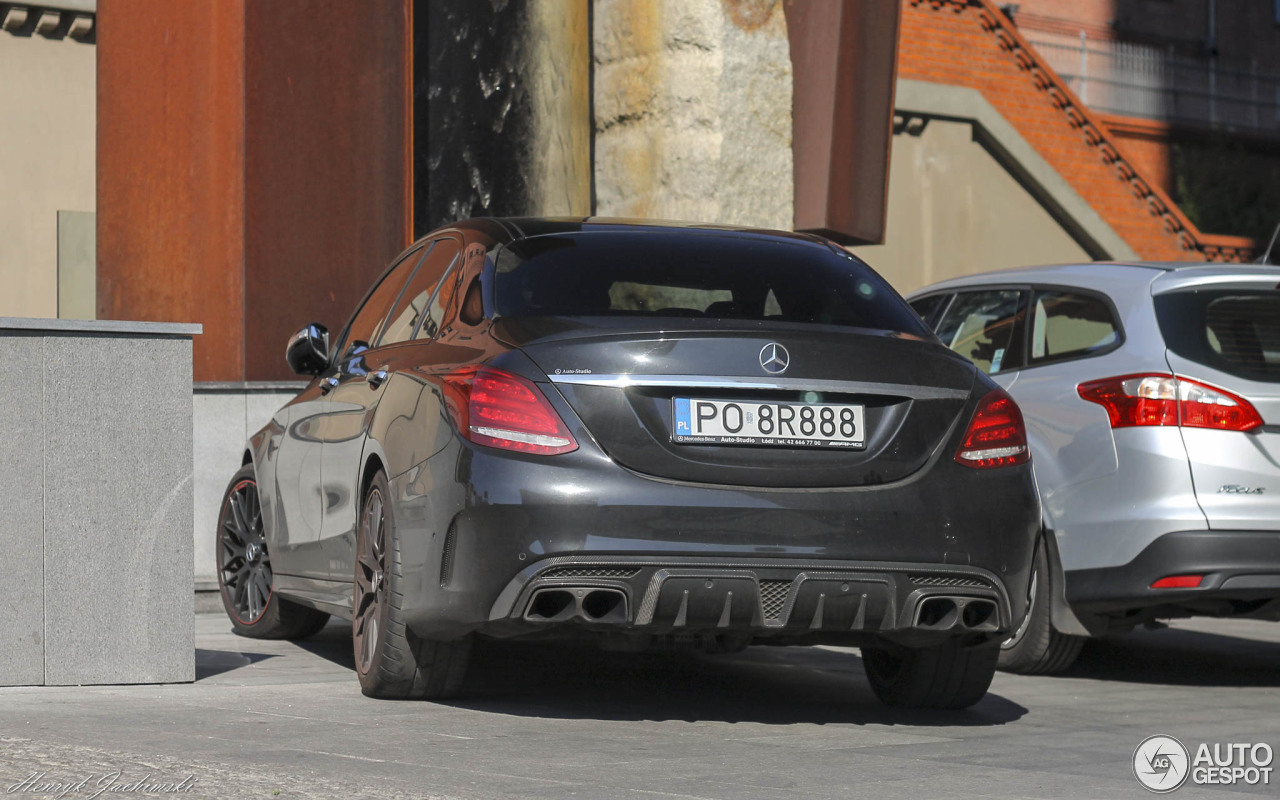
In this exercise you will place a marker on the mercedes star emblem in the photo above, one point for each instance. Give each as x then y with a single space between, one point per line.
774 358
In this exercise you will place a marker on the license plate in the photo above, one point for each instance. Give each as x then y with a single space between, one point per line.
695 420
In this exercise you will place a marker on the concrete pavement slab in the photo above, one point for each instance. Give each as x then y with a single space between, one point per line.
553 722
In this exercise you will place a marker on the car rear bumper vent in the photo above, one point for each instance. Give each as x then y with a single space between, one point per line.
948 580
591 572
446 558
773 597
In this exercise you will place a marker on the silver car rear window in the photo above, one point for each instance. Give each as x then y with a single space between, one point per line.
1230 330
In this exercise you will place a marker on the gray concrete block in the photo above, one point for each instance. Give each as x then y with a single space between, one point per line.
118 549
218 438
22 513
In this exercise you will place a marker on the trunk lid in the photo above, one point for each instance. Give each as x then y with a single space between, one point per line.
621 378
1222 328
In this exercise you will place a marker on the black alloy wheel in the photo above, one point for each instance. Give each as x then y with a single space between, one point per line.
244 570
391 661
371 581
243 562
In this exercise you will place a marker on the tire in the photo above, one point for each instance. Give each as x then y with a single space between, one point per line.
391 661
244 570
1036 648
948 675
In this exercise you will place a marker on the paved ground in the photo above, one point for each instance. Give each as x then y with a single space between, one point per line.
273 719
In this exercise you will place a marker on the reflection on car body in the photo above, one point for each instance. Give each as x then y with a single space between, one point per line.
493 450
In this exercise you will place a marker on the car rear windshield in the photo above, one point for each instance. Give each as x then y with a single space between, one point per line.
1234 331
695 275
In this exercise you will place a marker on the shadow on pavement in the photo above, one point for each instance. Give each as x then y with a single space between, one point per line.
333 643
216 662
771 685
1179 658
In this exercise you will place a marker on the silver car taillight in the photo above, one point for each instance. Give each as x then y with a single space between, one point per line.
1155 399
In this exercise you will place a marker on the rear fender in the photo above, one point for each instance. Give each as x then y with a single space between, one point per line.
410 413
1047 470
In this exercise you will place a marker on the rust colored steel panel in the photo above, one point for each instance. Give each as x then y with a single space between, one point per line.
253 167
170 187
844 61
326 154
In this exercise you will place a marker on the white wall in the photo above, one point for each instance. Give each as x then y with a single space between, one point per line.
48 123
955 210
224 418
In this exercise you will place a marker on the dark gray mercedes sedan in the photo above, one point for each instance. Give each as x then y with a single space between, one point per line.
654 435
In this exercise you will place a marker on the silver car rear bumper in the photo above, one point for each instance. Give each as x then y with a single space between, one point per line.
1240 569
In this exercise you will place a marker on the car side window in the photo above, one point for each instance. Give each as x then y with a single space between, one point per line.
983 327
366 325
414 303
927 307
1068 325
438 301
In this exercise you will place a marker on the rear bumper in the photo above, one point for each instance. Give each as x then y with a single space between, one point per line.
481 533
765 598
1241 572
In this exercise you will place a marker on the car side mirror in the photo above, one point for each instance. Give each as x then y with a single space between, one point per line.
308 350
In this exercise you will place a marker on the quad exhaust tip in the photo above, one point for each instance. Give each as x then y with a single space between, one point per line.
584 604
941 613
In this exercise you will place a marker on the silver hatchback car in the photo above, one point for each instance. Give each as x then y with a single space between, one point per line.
1151 394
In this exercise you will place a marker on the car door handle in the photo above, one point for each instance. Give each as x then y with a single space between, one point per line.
377 378
328 384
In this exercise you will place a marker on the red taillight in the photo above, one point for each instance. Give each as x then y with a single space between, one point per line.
1179 582
1155 399
996 436
495 408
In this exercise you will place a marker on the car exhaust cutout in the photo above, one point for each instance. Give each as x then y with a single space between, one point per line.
979 615
551 605
947 613
605 605
937 614
585 604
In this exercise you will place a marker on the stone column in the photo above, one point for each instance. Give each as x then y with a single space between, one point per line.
693 111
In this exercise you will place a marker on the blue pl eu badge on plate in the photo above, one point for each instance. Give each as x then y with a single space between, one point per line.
684 421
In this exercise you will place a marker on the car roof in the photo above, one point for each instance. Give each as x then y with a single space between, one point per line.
513 229
1167 275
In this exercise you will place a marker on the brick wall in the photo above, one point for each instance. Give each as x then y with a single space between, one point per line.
1146 143
971 43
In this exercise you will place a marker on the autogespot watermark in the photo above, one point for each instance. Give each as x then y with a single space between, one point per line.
100 785
1162 764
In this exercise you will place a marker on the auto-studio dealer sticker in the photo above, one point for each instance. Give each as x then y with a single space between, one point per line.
1162 764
